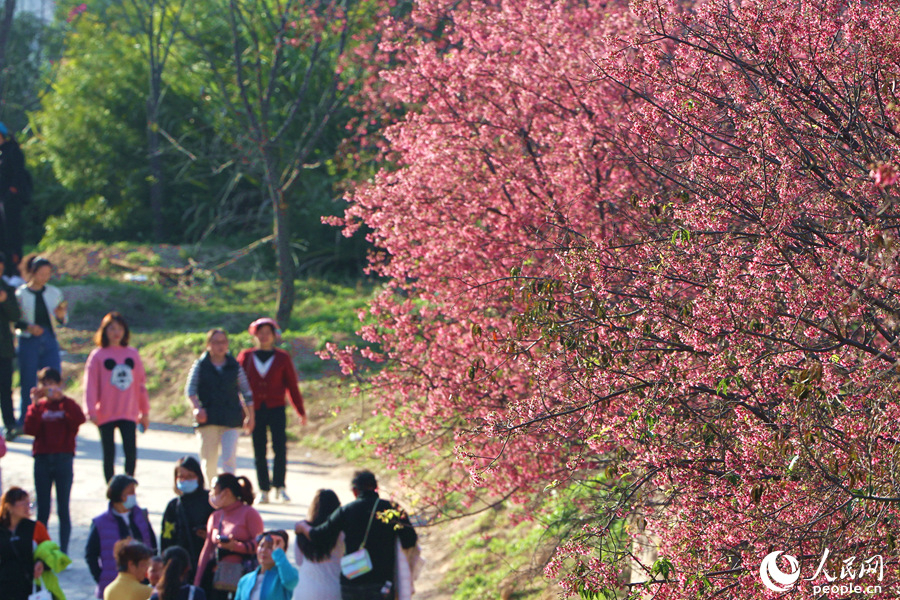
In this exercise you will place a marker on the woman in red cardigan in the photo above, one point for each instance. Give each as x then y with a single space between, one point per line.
272 378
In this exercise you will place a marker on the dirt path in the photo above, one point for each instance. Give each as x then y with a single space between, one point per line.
158 449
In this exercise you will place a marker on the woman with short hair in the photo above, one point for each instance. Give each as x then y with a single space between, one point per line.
123 519
214 387
132 561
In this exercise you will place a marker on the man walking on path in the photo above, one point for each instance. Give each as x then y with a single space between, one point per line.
368 522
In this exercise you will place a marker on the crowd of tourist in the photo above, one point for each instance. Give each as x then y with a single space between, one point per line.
213 543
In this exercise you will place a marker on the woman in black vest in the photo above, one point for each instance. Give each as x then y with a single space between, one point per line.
214 388
17 533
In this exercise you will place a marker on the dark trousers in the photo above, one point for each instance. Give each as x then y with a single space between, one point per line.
49 469
6 396
275 420
365 592
108 442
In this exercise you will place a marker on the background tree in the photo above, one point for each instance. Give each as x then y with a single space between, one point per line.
280 90
158 22
665 273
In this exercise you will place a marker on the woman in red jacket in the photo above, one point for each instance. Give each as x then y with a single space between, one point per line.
272 376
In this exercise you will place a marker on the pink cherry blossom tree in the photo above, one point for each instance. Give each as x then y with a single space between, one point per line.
650 250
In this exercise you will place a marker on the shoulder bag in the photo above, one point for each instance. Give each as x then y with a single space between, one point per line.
359 563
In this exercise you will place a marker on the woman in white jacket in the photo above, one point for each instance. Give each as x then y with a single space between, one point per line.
38 348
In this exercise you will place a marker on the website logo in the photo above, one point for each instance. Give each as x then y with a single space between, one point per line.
848 581
774 578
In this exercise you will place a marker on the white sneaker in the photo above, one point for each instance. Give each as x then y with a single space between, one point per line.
262 498
280 494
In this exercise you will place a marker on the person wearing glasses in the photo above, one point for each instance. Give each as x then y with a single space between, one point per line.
214 388
53 419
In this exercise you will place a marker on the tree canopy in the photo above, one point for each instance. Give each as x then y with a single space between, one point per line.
648 250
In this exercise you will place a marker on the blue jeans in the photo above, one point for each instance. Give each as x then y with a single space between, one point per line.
35 353
50 468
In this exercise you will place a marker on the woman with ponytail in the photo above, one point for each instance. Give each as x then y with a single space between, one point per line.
173 583
231 530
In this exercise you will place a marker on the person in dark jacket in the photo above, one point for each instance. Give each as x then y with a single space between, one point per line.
53 419
214 387
9 313
272 377
184 520
123 519
18 537
380 523
14 194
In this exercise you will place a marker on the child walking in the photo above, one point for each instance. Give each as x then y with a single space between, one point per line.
53 419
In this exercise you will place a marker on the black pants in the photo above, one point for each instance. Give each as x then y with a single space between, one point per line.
365 592
13 242
6 397
129 446
275 420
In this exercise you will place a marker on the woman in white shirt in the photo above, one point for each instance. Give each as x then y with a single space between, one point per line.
40 303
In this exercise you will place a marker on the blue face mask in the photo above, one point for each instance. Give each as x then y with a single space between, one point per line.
130 502
187 486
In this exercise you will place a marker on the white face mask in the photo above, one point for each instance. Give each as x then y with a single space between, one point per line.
130 502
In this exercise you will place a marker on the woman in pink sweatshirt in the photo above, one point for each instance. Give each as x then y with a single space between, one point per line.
115 391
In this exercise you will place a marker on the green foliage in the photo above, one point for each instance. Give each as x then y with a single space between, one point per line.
93 220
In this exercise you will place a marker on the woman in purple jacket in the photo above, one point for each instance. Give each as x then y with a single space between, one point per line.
124 518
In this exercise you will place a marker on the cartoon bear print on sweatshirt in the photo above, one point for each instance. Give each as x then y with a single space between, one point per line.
122 374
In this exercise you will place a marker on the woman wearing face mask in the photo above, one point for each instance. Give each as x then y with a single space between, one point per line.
185 518
231 531
123 519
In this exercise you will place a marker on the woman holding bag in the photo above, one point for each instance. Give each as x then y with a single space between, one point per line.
231 532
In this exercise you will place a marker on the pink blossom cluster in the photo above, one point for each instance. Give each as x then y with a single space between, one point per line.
637 247
75 12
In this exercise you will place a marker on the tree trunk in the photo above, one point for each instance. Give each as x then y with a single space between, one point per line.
154 156
6 21
283 253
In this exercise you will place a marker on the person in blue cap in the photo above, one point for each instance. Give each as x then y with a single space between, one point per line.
15 190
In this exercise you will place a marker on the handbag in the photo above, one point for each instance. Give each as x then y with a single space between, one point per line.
43 594
227 576
359 563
